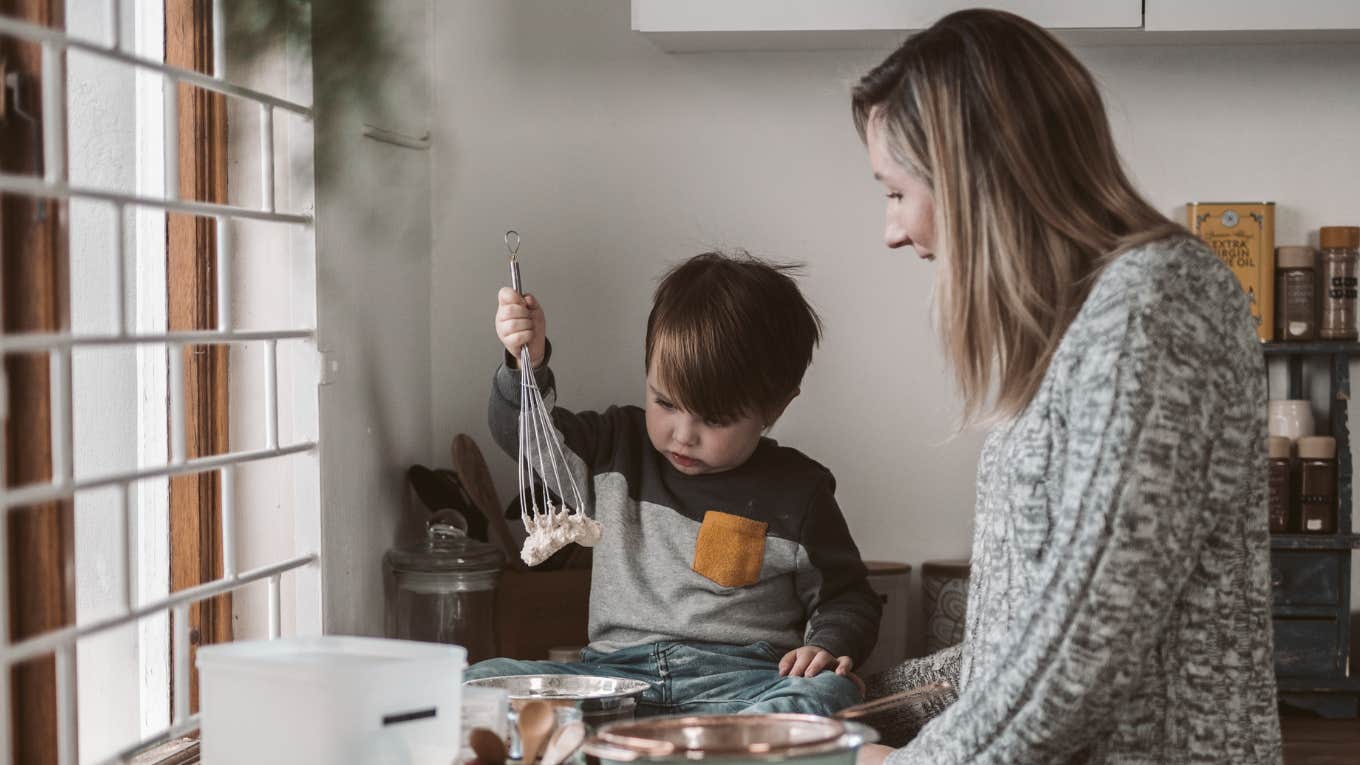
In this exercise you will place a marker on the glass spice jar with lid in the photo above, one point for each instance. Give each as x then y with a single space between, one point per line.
1340 254
1295 293
1317 485
1281 483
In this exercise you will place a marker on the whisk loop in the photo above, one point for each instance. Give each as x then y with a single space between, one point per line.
551 526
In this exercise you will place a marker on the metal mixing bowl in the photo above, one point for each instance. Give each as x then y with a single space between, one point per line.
600 699
590 693
731 740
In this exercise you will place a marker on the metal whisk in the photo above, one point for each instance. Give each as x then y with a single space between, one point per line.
551 526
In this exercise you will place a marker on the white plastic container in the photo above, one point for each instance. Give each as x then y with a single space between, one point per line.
330 699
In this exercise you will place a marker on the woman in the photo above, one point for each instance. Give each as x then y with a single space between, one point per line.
1119 603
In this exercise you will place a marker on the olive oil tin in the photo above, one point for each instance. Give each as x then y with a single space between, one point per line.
1242 234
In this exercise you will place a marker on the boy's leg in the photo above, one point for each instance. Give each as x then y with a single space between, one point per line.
825 694
506 667
720 679
636 663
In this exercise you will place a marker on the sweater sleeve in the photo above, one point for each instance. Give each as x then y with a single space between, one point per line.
900 724
587 439
843 610
1146 422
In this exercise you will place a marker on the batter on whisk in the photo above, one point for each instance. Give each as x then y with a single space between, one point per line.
724 574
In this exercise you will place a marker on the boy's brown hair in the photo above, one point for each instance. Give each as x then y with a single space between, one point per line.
732 335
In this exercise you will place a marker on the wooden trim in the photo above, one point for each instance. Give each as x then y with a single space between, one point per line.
195 500
41 538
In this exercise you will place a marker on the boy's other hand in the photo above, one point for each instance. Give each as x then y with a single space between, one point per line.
810 660
520 322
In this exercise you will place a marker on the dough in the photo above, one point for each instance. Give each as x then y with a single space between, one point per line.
555 529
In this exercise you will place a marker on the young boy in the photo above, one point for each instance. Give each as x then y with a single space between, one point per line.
726 576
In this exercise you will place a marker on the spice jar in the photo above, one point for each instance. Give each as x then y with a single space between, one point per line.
1317 485
442 589
1295 293
1340 253
1281 490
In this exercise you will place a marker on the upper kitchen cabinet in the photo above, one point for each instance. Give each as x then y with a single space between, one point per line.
697 25
704 25
1252 16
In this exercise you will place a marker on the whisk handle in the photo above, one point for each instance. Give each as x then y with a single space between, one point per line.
515 281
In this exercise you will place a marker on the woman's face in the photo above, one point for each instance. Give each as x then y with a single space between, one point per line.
910 215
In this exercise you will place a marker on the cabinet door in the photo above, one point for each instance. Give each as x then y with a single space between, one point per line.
1306 578
1250 15
1308 647
844 15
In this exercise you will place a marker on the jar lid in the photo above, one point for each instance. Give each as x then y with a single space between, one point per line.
953 568
445 549
1317 448
1278 447
1295 257
1339 237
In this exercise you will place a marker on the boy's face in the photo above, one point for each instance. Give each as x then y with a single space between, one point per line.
692 445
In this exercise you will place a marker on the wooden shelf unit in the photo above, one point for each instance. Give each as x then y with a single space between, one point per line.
1311 573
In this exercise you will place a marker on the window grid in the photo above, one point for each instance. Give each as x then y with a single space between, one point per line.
60 346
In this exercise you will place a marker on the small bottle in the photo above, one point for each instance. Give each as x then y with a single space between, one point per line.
1317 485
1340 253
1295 293
1281 490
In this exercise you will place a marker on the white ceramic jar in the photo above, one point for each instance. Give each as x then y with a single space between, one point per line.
1290 419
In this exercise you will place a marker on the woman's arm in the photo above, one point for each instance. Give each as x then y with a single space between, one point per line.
941 666
899 725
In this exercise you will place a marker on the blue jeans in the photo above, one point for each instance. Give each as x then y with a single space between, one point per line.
698 678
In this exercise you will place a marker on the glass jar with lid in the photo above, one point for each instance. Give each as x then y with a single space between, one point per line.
442 589
1295 293
1340 253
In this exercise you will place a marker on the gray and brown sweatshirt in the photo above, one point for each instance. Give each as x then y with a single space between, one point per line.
757 553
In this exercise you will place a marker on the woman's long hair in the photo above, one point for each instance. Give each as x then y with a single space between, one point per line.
1008 130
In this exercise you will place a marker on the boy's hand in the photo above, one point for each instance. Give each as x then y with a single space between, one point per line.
810 660
520 322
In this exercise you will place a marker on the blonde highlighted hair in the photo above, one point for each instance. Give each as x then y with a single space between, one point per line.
1008 130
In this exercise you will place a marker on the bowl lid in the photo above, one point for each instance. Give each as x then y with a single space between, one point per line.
701 736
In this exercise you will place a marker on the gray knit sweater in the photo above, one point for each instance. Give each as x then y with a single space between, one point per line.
1119 605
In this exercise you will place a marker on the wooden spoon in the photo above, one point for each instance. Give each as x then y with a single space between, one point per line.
564 743
489 747
471 469
536 720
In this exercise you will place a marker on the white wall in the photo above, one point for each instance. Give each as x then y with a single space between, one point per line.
614 159
373 304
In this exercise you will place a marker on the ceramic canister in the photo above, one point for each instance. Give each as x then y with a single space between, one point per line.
1292 419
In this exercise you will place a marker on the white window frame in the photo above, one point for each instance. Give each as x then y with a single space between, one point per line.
158 352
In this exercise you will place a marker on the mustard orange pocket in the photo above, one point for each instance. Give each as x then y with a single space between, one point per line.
730 549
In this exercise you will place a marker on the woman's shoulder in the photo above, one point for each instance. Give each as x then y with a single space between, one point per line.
1177 266
1170 300
1171 284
